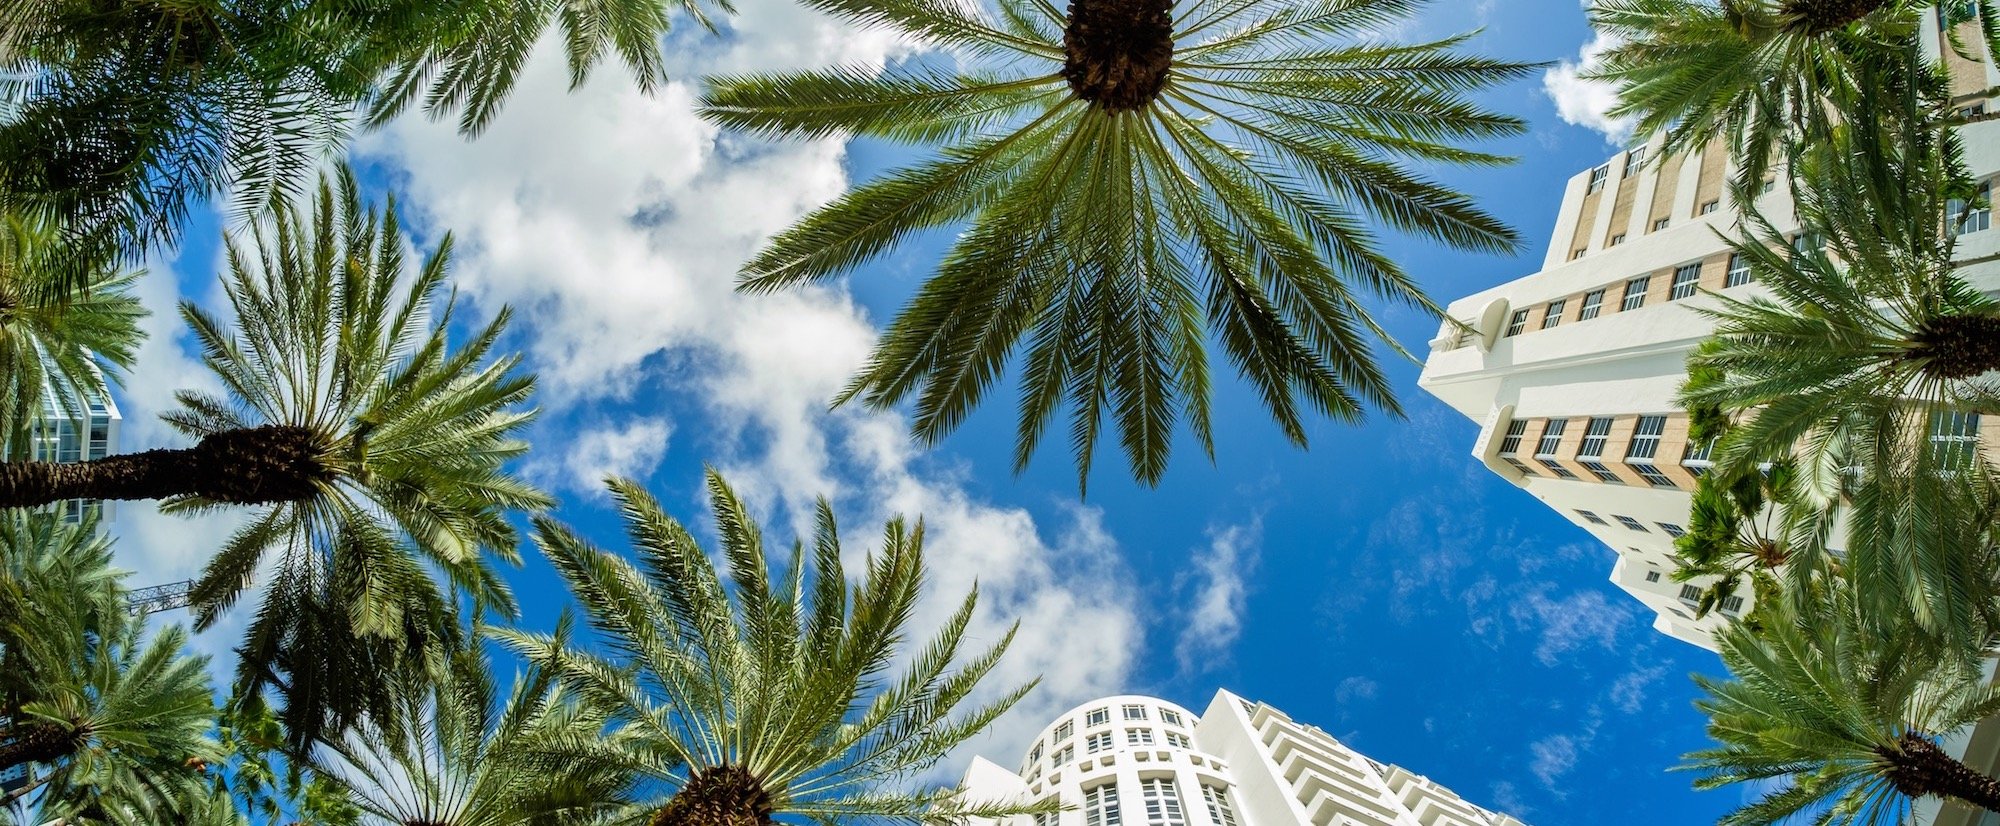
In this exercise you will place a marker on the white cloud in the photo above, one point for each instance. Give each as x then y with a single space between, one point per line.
1553 757
1356 688
632 450
1571 622
1583 102
1215 614
616 222
1629 692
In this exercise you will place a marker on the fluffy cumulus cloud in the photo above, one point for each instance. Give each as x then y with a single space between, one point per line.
1552 757
1570 622
632 449
1215 612
615 221
1581 101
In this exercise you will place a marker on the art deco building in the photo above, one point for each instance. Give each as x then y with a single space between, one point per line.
1140 761
1571 372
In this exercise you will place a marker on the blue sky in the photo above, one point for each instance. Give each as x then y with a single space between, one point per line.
1381 585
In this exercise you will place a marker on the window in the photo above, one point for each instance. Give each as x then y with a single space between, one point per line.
1652 576
1097 717
1510 445
1139 737
1635 293
1170 717
1629 522
1697 456
1769 184
1178 740
1591 517
1047 819
1517 323
1095 743
1036 755
1732 605
1651 473
1687 279
1972 217
1710 206
1062 757
1954 439
1973 111
1598 177
1554 314
1591 452
1064 731
1135 712
1661 224
1646 438
1805 242
1545 451
1577 253
1592 302
1163 801
1100 806
1739 271
1219 811
1691 593
1633 159
1672 530
1616 240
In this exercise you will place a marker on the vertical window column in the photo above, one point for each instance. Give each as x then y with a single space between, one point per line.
1163 802
1100 806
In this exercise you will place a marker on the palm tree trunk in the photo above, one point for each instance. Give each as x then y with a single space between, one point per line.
1822 16
720 796
37 743
1117 52
247 467
1919 768
1958 346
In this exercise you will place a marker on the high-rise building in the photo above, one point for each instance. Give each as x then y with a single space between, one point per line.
1571 372
1140 761
88 430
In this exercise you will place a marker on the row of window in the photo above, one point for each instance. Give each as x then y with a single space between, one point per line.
1669 528
1103 741
1641 450
1161 799
1692 594
1686 282
1976 216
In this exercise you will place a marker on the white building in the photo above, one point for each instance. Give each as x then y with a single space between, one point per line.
1140 761
1571 372
89 431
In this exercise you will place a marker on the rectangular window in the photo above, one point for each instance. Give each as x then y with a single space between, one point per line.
1593 301
1100 806
1954 439
1170 717
1064 731
1163 801
1591 452
1710 206
1631 523
1554 314
1690 593
1047 819
1219 811
1062 757
1591 517
1739 271
1616 240
1806 242
1652 576
1135 712
100 439
1635 293
1697 456
1036 755
1517 323
1139 737
1598 177
1097 717
1511 443
1646 438
1095 743
1687 279
1633 159
1552 435
1971 217
1178 740
1661 224
1672 529
1651 473
1732 605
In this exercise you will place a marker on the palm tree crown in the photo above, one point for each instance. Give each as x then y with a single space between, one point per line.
57 346
1137 178
747 703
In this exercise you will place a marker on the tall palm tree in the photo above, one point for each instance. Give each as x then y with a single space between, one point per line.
117 117
375 449
1136 178
1846 714
57 346
1734 531
767 699
450 756
97 709
1764 76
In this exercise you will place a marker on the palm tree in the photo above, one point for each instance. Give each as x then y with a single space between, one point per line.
449 756
1846 714
1732 534
57 347
103 712
766 699
1137 178
376 449
116 118
1764 76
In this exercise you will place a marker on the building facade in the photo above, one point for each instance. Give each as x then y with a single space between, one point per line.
1571 372
1140 761
81 434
